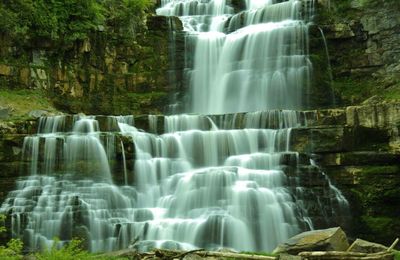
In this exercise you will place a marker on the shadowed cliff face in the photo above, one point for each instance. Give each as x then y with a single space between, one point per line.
106 76
110 72
364 47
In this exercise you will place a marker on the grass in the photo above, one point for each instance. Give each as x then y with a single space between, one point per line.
392 93
23 101
356 90
396 255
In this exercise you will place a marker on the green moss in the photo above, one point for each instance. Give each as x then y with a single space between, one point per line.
320 93
392 93
355 90
381 229
23 101
140 103
380 170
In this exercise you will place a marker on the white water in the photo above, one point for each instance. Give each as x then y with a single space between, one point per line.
205 182
264 59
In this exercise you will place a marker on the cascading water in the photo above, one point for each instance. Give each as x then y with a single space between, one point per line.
196 181
263 60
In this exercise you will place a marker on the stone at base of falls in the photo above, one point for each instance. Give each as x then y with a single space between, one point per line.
335 255
38 113
289 257
363 246
332 239
188 255
5 112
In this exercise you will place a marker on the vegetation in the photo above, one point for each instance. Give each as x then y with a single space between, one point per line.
22 101
396 255
65 22
72 251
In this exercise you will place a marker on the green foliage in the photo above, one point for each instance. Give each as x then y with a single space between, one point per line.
2 220
396 255
380 170
125 16
16 17
12 251
22 101
355 90
71 251
64 22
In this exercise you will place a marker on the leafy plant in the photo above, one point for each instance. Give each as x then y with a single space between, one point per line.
71 251
2 220
13 249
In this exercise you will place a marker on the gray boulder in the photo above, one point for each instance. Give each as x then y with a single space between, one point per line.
332 239
5 112
362 246
38 113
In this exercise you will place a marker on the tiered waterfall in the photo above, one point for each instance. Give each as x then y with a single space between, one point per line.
203 180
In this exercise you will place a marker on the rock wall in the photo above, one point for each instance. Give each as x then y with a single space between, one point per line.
364 46
358 148
108 73
11 141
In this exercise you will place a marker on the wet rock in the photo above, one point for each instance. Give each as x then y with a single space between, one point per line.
359 158
192 257
38 113
5 112
380 115
5 70
289 257
319 139
332 239
363 246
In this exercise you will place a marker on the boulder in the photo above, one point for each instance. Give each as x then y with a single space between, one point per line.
5 112
363 246
332 239
38 113
338 255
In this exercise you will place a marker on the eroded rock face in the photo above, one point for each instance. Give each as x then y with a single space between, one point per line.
111 72
332 239
364 46
374 116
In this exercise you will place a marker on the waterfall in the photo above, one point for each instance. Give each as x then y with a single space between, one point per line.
225 177
263 59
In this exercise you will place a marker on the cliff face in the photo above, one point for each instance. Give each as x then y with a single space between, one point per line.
364 46
358 147
111 73
108 73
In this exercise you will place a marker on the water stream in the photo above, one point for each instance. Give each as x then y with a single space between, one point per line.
215 179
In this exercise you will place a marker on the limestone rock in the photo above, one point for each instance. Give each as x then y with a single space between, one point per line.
38 113
379 116
5 112
289 257
192 257
332 239
5 70
363 246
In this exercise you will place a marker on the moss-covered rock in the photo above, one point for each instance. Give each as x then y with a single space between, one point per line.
364 48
